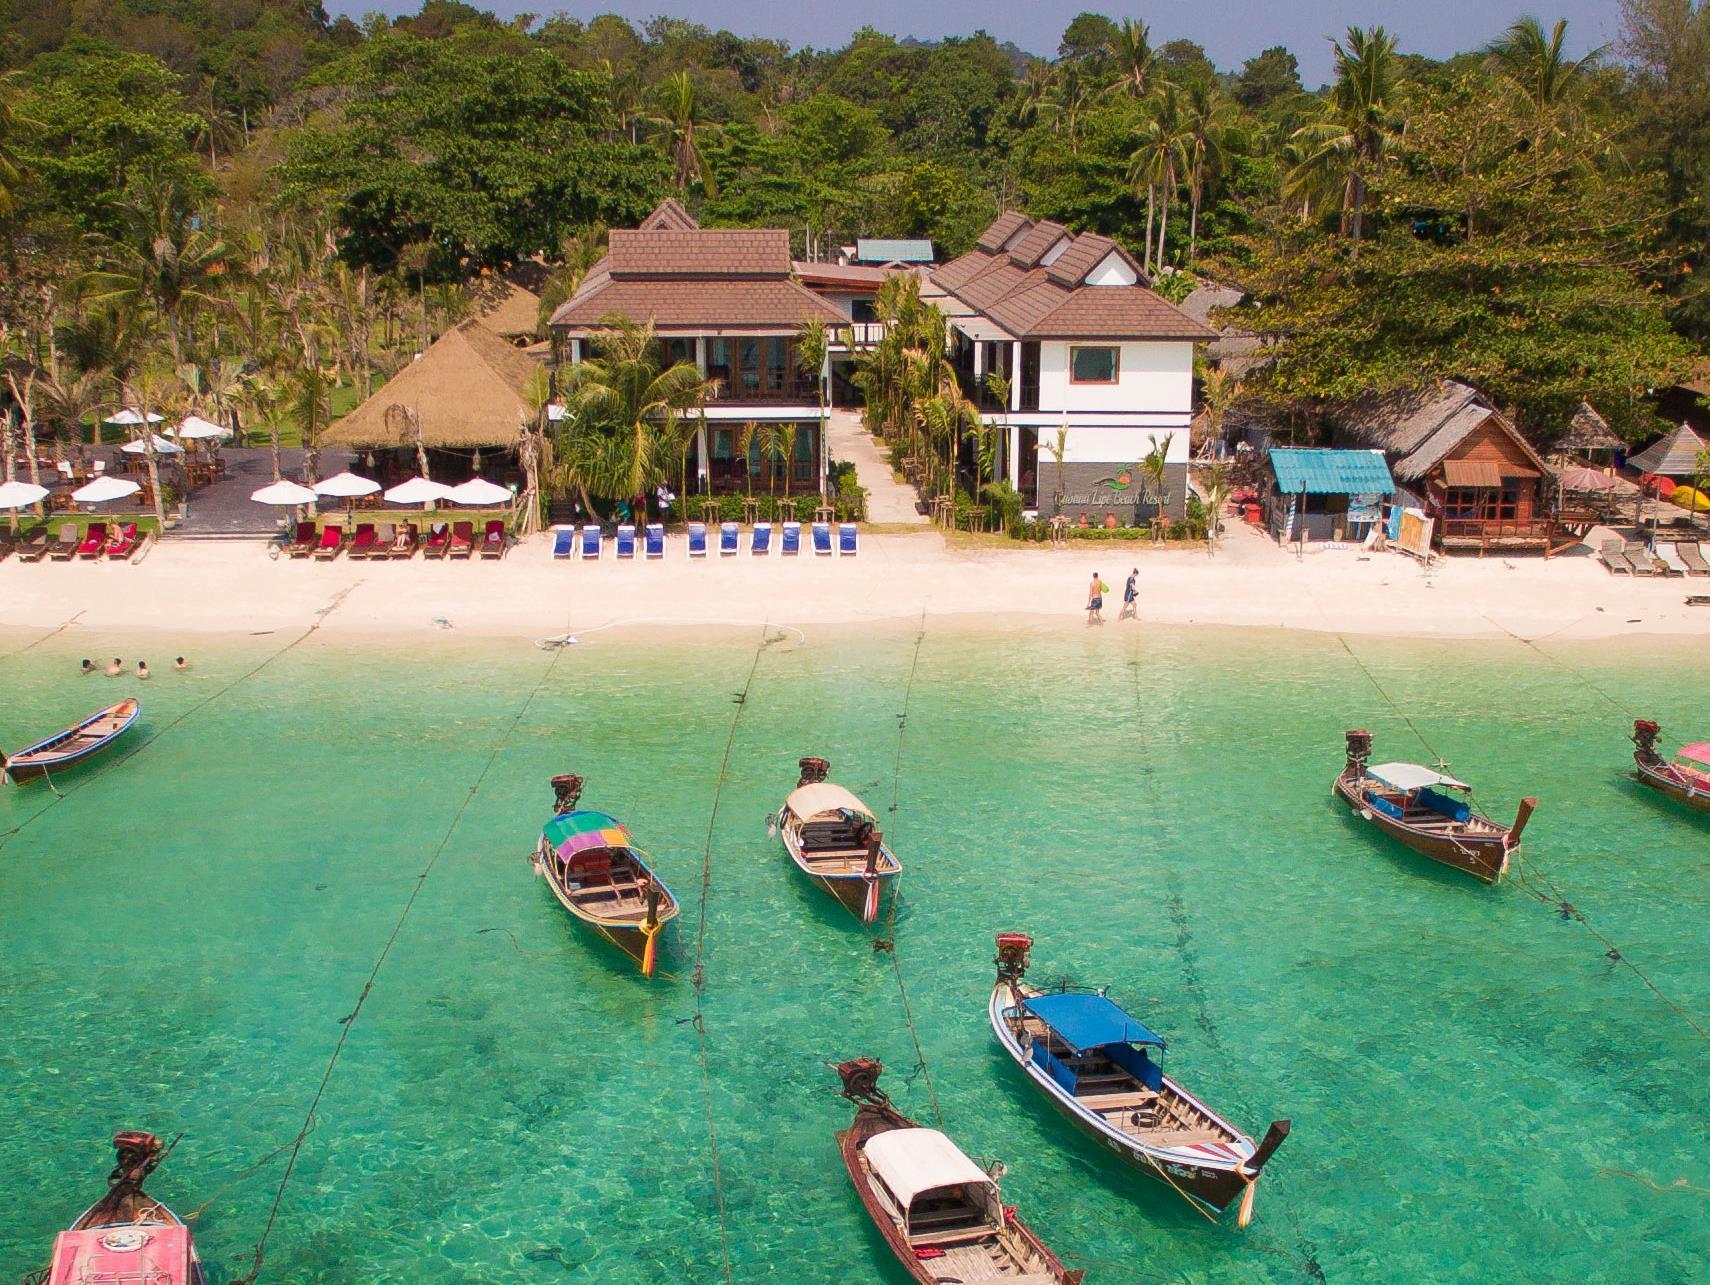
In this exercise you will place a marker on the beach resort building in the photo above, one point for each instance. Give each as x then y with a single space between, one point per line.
1099 368
1462 462
727 300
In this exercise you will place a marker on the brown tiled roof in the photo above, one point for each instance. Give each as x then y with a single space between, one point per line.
670 216
1088 251
699 252
698 305
1040 237
843 277
1000 230
1117 312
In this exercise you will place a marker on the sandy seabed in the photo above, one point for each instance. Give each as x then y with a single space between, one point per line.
231 587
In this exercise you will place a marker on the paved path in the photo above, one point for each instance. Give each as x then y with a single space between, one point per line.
225 507
887 499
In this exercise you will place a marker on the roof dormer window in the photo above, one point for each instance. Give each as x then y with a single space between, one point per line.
1112 270
1055 252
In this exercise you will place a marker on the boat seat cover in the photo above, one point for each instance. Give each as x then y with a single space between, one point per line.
1052 1065
1448 806
1383 805
1136 1063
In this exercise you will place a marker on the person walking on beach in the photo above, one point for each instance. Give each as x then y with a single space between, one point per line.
1130 597
1095 601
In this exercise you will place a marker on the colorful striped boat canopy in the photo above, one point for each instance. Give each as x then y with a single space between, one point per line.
575 832
1090 1021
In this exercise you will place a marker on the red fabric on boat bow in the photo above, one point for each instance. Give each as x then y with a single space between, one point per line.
928 1252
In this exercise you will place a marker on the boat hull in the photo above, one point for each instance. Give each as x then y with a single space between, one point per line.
38 765
626 935
860 895
1484 857
1213 1184
1661 780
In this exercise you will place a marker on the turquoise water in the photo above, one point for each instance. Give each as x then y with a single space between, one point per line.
1478 1092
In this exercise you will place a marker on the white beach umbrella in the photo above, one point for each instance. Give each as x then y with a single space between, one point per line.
283 493
103 489
162 446
556 411
478 490
418 490
346 486
17 495
196 429
130 417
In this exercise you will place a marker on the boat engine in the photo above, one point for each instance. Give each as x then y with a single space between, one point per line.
813 771
1359 749
1645 737
861 1080
138 1154
1011 958
566 791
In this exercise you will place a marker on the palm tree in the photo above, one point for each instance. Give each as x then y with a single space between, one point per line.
1209 120
152 390
623 411
1038 82
11 124
744 445
1072 101
413 261
1133 59
1217 490
1159 160
23 396
164 258
71 400
531 448
1218 391
1540 75
1155 467
683 124
1358 130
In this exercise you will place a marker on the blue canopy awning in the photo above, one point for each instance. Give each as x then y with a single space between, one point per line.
1331 472
1090 1021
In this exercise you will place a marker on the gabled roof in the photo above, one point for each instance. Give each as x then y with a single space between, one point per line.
1588 431
1419 428
1000 230
845 278
1027 252
1674 456
470 389
505 307
698 306
699 252
1084 254
669 216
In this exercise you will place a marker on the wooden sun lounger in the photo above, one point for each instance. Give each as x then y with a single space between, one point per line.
1693 557
33 544
404 542
438 543
1641 561
62 549
384 536
462 539
1613 555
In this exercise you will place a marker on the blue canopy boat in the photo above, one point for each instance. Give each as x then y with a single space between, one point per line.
594 868
75 743
1093 1061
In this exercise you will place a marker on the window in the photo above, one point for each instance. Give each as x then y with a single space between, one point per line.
1093 365
1462 502
723 445
862 310
679 350
802 465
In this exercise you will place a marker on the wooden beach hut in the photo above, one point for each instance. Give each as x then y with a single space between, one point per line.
1326 495
1460 460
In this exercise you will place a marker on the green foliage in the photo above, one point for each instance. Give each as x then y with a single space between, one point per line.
1266 77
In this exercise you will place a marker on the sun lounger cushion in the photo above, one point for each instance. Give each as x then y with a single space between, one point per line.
727 537
792 538
821 538
655 540
697 539
760 541
563 542
626 541
590 541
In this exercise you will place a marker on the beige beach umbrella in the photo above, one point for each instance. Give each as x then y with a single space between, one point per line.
283 494
478 490
103 490
418 490
20 495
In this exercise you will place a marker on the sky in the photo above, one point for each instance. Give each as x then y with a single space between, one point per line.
1230 30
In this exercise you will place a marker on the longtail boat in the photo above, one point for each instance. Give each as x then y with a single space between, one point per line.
1092 1061
602 878
940 1213
1429 811
835 841
75 743
127 1235
1685 779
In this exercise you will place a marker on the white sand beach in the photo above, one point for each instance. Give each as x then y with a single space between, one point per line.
235 586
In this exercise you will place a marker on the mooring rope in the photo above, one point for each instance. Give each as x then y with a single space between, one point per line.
1562 664
889 943
52 633
700 975
347 1023
96 773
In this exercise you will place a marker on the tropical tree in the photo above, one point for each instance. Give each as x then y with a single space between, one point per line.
1217 490
154 390
683 124
1209 124
1218 391
1155 468
164 258
11 125
813 344
622 413
1159 160
1356 134
1547 84
1133 60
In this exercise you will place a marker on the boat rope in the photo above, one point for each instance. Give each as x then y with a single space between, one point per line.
572 637
1390 701
347 1023
1562 664
700 974
52 633
1679 1187
96 773
888 943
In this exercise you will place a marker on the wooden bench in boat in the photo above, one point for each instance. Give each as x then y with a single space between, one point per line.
1183 1137
974 1263
1102 1102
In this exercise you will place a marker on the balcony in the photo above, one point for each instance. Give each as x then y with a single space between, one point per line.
857 336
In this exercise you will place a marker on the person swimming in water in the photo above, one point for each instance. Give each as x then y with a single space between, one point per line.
142 669
181 663
116 668
88 666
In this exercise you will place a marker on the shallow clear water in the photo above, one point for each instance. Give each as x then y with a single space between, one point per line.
1478 1092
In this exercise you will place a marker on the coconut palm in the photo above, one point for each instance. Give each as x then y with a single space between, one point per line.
1155 467
1357 133
163 259
154 390
1158 160
683 124
1547 84
622 412
813 345
1210 120
1133 59
72 400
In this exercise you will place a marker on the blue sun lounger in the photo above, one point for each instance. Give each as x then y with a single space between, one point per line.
760 542
697 539
846 540
626 541
564 542
655 540
727 537
590 543
792 540
821 540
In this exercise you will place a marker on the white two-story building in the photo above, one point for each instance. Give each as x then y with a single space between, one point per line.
1100 369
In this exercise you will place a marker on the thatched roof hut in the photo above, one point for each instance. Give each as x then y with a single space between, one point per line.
1587 431
470 390
1674 456
507 308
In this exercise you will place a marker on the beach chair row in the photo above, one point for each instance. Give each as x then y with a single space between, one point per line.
1684 558
114 541
384 541
589 544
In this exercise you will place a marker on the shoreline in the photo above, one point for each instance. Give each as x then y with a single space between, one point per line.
233 588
